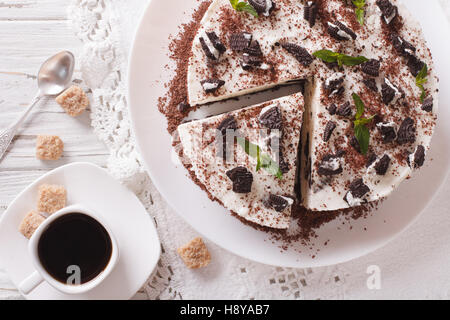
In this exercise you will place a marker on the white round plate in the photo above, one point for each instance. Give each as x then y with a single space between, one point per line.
91 186
145 85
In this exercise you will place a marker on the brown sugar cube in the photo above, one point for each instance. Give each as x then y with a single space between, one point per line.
30 223
49 147
74 101
51 198
195 254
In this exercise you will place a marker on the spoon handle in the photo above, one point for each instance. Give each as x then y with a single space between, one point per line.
8 134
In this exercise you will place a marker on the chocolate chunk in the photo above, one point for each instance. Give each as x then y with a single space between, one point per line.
225 127
262 6
371 67
417 158
371 159
183 106
216 42
371 84
415 65
334 85
406 132
390 93
206 49
332 109
388 10
282 164
242 179
310 13
329 128
340 31
355 144
428 104
211 85
344 110
272 118
382 165
228 123
254 49
387 130
278 203
358 188
402 46
300 54
249 62
330 166
240 41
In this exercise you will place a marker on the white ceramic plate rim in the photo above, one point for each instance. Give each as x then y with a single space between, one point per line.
139 82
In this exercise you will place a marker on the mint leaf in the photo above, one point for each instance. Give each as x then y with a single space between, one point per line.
262 160
352 61
342 59
326 55
359 11
362 134
359 106
244 7
421 79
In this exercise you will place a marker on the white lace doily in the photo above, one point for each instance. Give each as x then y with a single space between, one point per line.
105 28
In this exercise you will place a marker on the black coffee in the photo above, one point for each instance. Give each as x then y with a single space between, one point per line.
75 243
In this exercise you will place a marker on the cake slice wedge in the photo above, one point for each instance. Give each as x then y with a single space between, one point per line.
247 159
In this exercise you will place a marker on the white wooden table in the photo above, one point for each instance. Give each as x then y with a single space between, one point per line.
30 32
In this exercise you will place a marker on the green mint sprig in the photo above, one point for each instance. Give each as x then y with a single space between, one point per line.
421 79
362 133
262 160
359 11
341 59
244 7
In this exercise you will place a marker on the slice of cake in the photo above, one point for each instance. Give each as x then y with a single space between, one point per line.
247 159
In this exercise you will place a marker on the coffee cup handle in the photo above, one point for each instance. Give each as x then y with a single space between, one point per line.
30 283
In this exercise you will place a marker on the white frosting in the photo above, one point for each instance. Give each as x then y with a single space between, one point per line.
210 86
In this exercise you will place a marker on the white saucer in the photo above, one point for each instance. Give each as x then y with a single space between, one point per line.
131 225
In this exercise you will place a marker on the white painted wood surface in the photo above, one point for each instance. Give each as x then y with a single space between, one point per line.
31 31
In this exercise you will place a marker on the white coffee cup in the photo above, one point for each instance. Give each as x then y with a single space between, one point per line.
41 275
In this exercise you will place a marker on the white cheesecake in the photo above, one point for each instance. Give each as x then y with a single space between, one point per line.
235 53
261 195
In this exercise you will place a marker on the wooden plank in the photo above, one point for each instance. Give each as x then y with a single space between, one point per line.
33 9
21 154
26 44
